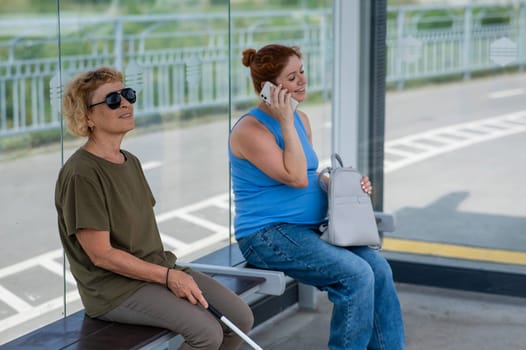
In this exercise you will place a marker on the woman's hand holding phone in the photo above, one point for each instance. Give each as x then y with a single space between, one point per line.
266 95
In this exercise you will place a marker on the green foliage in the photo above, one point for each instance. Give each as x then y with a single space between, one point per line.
401 2
219 2
493 16
45 137
13 7
178 34
16 142
435 19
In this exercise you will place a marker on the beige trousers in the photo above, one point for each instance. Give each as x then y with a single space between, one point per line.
154 305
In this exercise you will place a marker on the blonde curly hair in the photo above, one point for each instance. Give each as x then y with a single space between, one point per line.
78 94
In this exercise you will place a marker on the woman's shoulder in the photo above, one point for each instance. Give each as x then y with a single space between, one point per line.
80 159
303 116
78 166
247 132
248 121
130 156
82 162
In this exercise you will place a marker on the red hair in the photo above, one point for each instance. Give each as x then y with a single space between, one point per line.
267 63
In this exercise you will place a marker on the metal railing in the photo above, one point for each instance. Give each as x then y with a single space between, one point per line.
176 62
430 41
184 61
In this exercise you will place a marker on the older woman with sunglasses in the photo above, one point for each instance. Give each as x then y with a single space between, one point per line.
109 233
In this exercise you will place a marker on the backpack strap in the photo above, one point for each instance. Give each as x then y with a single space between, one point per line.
336 161
321 183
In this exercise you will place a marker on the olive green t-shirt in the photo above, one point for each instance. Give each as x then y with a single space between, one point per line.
94 193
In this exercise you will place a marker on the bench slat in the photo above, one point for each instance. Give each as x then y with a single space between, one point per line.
111 335
238 284
78 331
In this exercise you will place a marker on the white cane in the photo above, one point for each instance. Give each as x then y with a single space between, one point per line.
233 327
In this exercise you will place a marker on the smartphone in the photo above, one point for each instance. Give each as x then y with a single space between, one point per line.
266 96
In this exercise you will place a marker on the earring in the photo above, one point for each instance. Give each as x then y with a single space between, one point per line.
90 125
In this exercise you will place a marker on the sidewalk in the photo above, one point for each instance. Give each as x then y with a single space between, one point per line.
434 318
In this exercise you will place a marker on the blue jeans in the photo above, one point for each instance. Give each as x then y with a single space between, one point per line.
359 282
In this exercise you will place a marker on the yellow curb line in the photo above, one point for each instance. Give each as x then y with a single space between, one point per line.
454 251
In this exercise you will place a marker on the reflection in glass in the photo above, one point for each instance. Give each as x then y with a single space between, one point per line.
183 59
454 116
184 63
31 273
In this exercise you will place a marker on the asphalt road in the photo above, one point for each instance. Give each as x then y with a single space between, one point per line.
454 171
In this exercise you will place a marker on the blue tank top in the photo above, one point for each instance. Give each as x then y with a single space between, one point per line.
261 201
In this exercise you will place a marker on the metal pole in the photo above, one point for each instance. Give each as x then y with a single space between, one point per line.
233 327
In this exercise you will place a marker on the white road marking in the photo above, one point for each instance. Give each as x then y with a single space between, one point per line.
506 93
399 153
17 303
192 207
151 165
27 264
444 139
41 309
462 135
205 242
58 269
174 243
26 312
212 226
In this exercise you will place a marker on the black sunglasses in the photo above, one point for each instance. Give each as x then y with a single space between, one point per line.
113 99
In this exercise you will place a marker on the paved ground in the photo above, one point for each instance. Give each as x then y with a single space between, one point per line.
434 318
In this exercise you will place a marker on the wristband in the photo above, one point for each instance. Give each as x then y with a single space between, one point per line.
167 274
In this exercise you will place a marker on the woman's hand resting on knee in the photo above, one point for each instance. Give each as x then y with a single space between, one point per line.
183 285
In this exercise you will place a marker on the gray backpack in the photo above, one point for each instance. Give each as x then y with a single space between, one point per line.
350 215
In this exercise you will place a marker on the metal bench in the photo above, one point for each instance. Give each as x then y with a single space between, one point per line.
78 331
267 293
